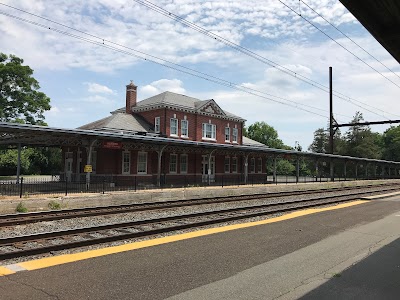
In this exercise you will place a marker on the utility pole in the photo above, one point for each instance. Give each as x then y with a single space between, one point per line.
331 132
330 113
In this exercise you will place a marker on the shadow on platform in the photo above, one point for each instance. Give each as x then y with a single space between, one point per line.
375 277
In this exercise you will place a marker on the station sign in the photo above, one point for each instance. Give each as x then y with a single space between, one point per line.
88 169
112 145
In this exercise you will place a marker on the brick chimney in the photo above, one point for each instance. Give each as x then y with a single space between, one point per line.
130 97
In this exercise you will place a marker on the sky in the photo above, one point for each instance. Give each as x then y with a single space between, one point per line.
84 53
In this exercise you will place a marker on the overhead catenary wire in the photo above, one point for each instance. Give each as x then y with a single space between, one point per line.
226 83
339 44
159 61
352 40
258 57
348 99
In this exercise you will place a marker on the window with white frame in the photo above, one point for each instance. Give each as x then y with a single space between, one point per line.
209 131
259 165
234 164
184 128
157 126
227 164
173 126
126 162
184 163
252 165
234 135
173 160
142 163
227 134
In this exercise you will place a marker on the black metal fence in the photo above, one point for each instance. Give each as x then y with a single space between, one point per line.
60 185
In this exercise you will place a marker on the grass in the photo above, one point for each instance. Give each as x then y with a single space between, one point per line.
21 208
54 205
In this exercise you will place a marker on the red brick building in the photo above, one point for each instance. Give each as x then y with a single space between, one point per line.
170 116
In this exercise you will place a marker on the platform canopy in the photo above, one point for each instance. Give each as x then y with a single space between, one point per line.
13 134
381 18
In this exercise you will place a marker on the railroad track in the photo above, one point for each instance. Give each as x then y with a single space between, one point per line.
26 218
66 239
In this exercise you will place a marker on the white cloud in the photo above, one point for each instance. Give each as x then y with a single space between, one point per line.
162 85
98 88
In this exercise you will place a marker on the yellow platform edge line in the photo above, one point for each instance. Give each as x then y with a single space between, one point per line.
67 258
5 271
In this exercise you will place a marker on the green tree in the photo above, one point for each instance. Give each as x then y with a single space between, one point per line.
361 141
391 143
320 142
266 134
19 95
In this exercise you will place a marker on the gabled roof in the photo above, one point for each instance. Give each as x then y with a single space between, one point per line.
182 101
120 121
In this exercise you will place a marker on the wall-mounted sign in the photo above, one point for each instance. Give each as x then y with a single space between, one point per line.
112 145
87 169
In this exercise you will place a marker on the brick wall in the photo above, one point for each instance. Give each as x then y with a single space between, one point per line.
194 124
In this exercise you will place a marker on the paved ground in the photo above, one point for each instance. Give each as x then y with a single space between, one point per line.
316 257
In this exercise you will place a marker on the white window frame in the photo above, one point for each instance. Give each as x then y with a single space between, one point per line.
209 129
252 165
126 163
259 165
157 124
184 128
145 162
176 129
235 133
234 164
227 134
227 163
183 166
173 167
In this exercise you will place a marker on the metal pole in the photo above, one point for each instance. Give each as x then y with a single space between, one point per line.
330 113
19 162
274 174
297 169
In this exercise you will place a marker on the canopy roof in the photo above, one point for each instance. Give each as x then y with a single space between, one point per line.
382 19
12 134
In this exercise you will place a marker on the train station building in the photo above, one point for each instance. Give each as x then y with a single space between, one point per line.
169 116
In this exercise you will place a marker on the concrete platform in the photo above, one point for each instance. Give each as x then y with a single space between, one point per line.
348 253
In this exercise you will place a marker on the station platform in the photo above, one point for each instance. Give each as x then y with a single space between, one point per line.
340 252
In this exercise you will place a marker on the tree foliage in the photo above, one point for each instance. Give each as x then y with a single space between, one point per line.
265 134
391 143
19 95
42 160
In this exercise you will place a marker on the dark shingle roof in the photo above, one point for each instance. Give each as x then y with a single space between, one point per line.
120 122
178 100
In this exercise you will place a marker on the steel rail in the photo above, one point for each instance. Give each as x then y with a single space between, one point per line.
26 218
44 240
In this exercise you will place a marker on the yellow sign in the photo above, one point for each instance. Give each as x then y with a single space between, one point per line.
87 169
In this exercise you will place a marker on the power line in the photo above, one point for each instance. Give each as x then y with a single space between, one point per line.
159 61
353 41
324 33
256 56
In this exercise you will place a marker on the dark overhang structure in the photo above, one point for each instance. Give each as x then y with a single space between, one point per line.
382 19
13 134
